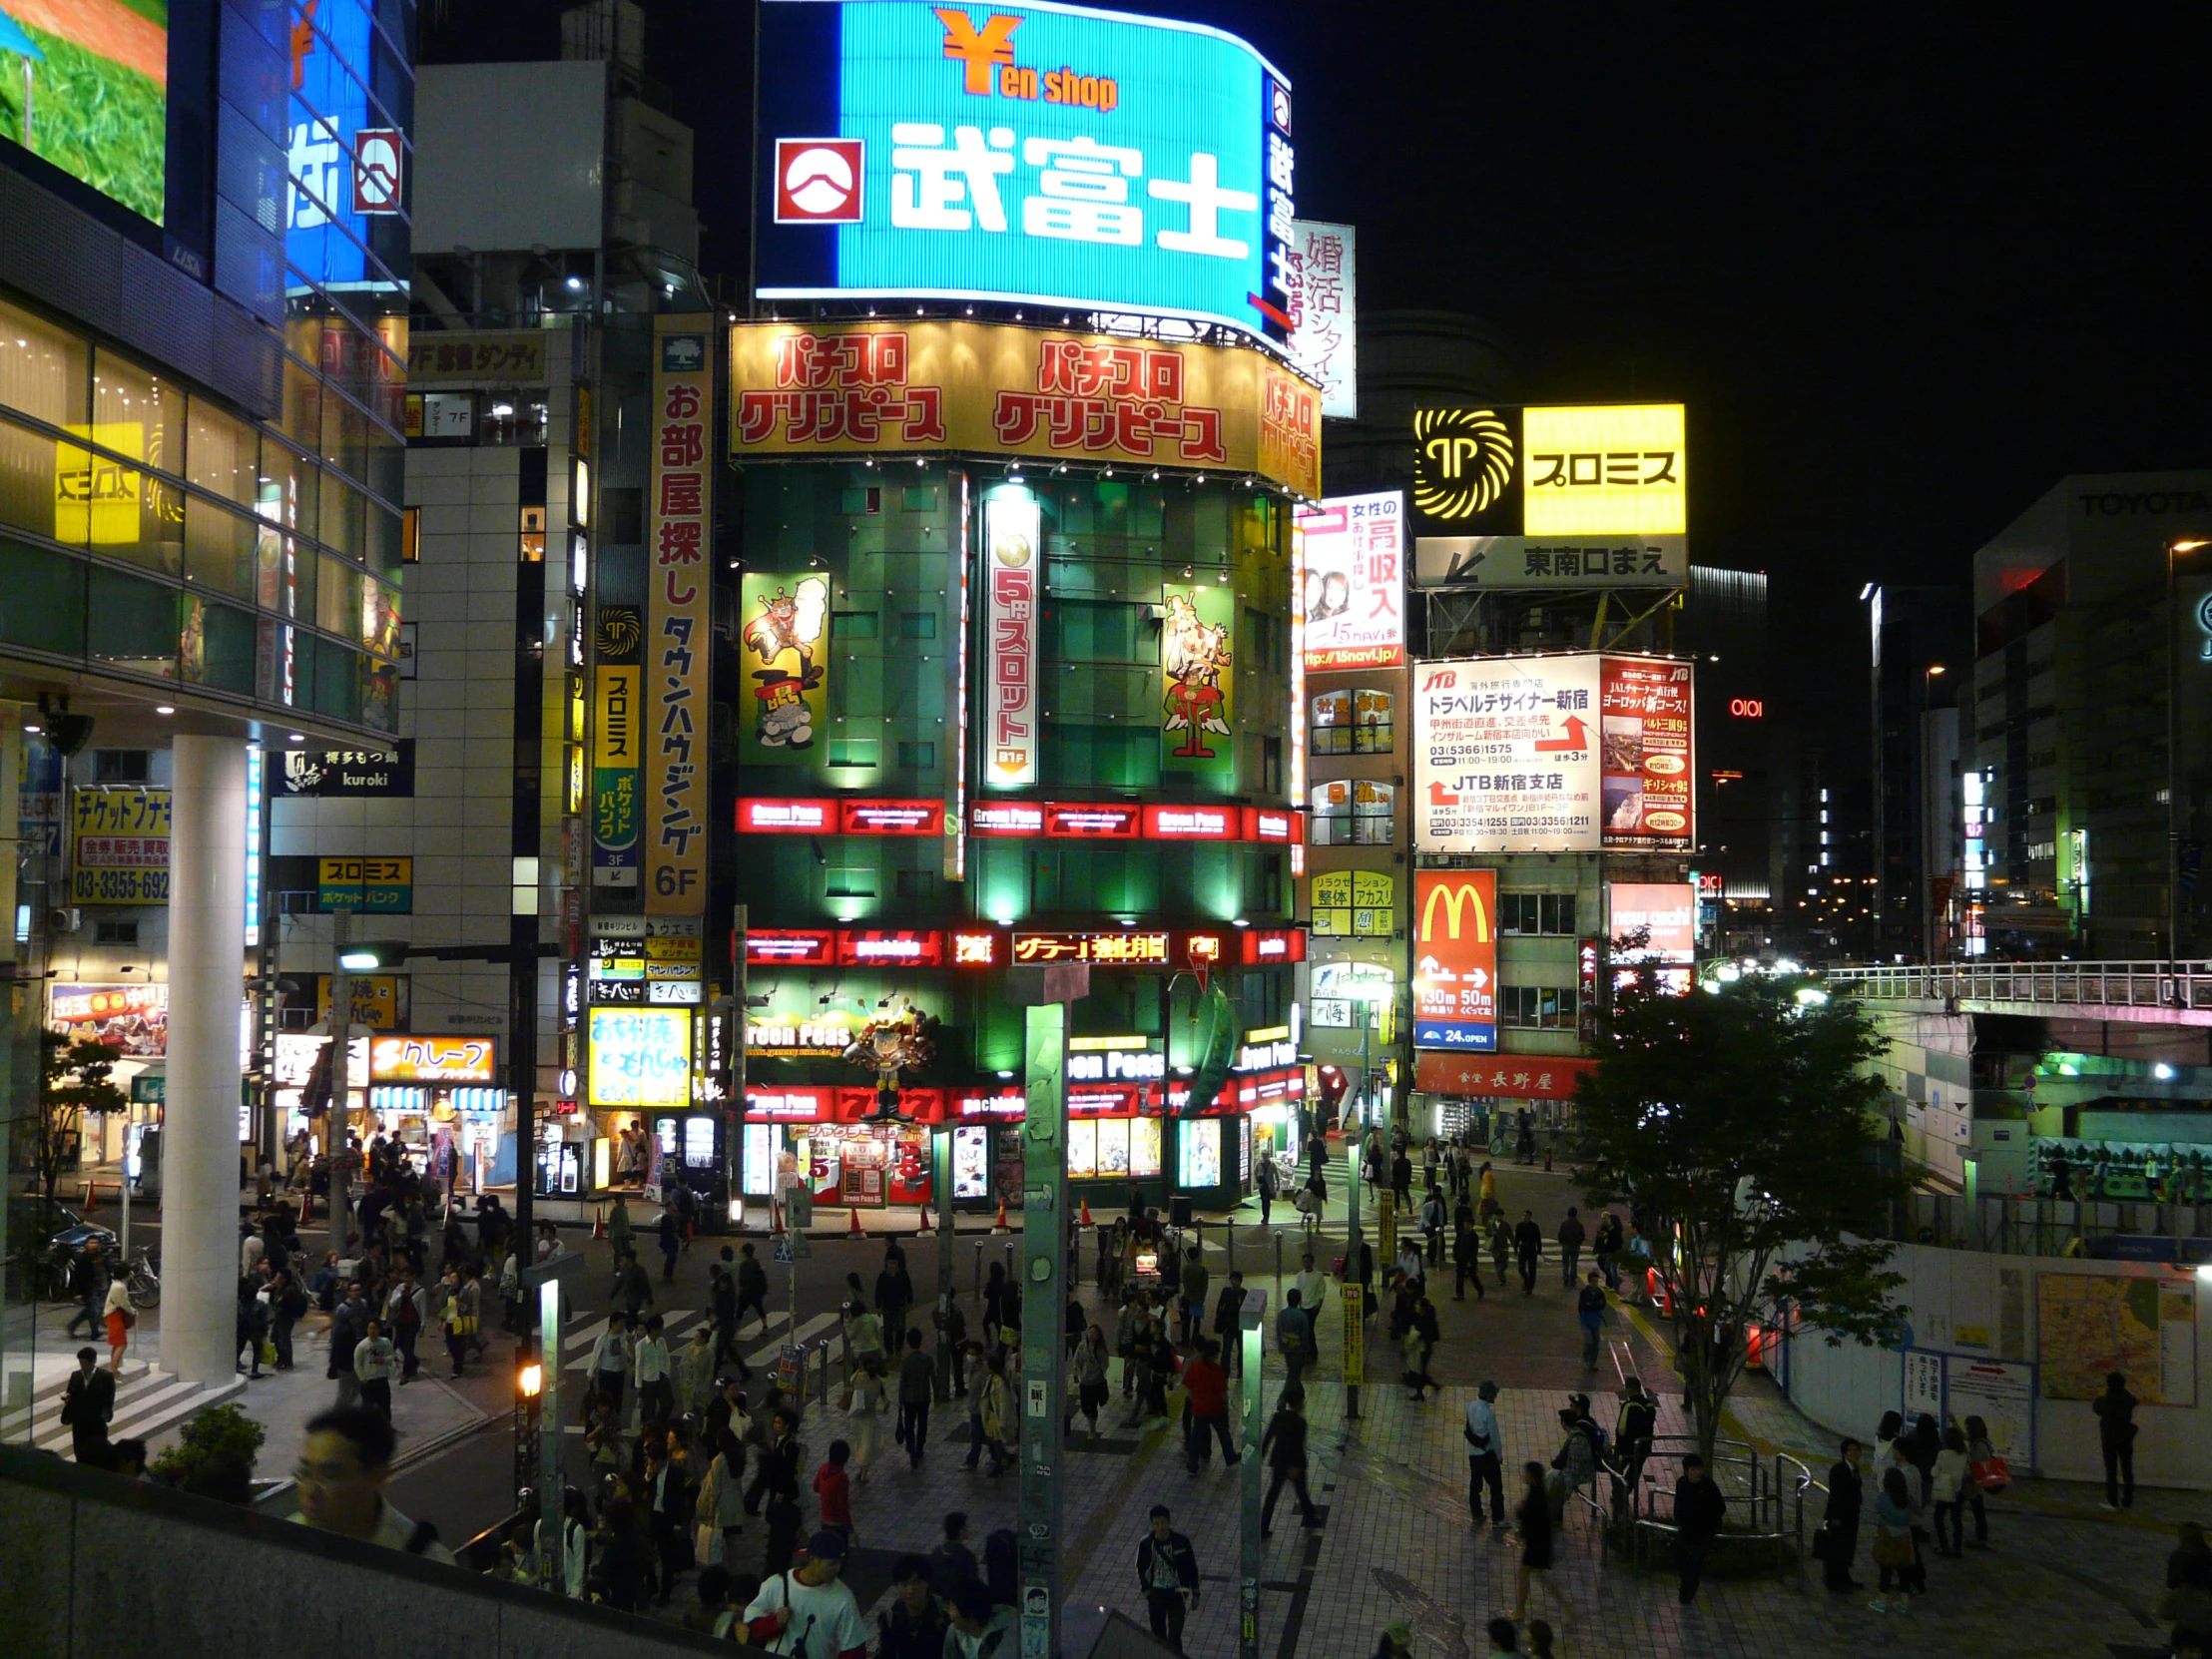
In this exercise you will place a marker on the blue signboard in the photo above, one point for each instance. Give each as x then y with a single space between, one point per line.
345 160
1467 1035
1022 153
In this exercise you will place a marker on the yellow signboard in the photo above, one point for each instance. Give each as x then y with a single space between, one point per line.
97 498
1610 469
1353 903
1356 1333
379 999
119 848
890 387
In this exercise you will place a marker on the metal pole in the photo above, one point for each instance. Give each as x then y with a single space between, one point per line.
340 1119
940 1187
1351 1214
552 1489
522 1071
733 1108
1251 1553
2173 771
1040 1402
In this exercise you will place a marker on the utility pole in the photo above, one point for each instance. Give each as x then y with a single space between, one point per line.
733 1112
1044 993
1251 1553
341 1051
522 1076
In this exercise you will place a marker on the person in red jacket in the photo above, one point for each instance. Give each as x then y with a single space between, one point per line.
1206 1411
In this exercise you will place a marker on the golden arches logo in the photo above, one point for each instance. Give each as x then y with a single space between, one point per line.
1454 898
1462 462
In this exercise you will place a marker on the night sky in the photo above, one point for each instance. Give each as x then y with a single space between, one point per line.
1907 266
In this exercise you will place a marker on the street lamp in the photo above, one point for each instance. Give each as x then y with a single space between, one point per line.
1920 830
1371 994
2174 551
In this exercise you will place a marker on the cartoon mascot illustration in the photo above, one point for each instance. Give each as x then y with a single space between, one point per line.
789 623
1193 655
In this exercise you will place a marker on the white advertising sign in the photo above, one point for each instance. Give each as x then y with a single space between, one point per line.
1354 581
1322 296
1505 754
1012 578
1552 561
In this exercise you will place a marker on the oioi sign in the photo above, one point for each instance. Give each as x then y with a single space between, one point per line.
1024 153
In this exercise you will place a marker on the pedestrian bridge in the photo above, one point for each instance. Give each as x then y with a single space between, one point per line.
2147 992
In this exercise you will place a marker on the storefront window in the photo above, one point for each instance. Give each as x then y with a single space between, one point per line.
1144 1149
1353 812
1332 724
1373 729
44 370
1198 1162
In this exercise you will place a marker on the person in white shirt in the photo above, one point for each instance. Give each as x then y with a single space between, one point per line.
609 1359
1485 1457
1312 1286
656 1384
811 1610
376 1361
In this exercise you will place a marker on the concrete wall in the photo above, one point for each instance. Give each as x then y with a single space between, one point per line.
1975 1321
91 1566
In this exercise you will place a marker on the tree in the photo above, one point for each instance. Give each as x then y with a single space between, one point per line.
76 1076
1737 1125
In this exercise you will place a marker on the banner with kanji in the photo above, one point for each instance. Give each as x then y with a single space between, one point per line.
678 645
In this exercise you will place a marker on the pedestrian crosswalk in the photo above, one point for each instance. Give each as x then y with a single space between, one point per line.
586 1330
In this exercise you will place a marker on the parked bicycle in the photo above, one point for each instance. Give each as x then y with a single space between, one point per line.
142 1281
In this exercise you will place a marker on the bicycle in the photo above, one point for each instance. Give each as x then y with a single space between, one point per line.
143 1282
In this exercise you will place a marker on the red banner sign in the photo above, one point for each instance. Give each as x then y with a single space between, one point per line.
875 949
1083 822
1193 824
777 947
1506 1076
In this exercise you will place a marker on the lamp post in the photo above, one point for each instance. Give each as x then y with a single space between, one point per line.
1925 897
1370 994
2174 551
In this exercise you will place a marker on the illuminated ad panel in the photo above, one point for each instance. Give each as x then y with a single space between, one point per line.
1455 959
1024 153
1564 753
1014 573
86 89
348 157
928 388
1354 582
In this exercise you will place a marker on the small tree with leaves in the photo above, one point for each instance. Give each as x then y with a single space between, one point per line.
76 1076
1737 1126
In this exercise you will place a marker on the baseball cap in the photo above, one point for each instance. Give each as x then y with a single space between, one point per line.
826 1545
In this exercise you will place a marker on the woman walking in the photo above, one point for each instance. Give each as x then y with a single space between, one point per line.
119 1316
865 1409
996 1413
1950 1492
1090 1376
1980 1454
1534 1519
718 1512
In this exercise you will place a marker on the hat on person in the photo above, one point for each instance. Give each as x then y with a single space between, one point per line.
826 1545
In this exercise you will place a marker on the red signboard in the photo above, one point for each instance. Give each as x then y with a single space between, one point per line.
1128 947
1007 818
1509 1076
921 1105
1455 959
891 818
787 817
1645 749
1261 825
977 1103
1262 945
880 949
778 947
1102 1100
1088 823
1193 824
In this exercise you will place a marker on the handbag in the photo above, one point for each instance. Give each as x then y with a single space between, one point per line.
1990 1474
1823 1542
1892 1549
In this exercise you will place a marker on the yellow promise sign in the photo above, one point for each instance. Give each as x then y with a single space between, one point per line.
1603 470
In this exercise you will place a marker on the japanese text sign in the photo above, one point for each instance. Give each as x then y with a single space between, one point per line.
1508 1076
678 528
927 387
640 1057
1013 581
1455 959
1354 581
120 852
1323 309
431 1060
1545 471
1035 153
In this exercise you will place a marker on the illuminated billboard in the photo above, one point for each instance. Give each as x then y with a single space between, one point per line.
1559 753
1602 469
640 1057
86 89
347 150
1455 959
1324 304
1354 581
1665 912
1038 153
923 387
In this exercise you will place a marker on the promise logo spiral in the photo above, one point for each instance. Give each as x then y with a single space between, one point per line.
1462 462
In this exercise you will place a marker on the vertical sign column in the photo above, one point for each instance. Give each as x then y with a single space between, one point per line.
678 531
1043 1316
617 815
1012 566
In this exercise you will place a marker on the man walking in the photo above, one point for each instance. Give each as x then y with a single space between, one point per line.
1466 1258
1589 1307
1698 1508
1284 1448
1229 1321
752 1288
91 1274
1840 1524
1206 1401
650 1363
610 1360
1570 1237
917 1382
722 1302
1608 1249
2116 1410
376 1360
1293 1338
1486 1457
1167 1573
1270 1182
1528 1246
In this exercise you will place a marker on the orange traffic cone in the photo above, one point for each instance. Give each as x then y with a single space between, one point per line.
1086 1219
1001 1225
853 1229
599 1221
776 1217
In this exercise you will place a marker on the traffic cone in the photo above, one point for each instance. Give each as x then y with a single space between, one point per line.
1002 1225
1086 1219
599 1221
853 1228
776 1217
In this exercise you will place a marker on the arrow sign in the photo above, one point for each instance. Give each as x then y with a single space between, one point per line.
1579 737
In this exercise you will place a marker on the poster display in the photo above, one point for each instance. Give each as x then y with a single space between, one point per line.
1455 959
677 649
971 1160
1553 753
1198 1153
2003 1396
2089 1325
1198 715
928 388
1645 749
132 1018
1042 153
1667 911
639 1056
119 851
1322 296
1144 1149
1354 581
785 638
759 1160
1013 577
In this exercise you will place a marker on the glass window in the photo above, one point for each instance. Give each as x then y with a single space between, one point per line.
219 548
41 598
1536 912
275 661
338 597
379 625
342 517
337 688
222 455
1536 1008
32 492
1332 724
137 413
277 581
1373 730
384 539
1352 813
1373 806
116 510
216 646
131 623
287 489
43 370
302 414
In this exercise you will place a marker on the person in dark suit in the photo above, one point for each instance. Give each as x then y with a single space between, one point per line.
88 1402
1845 1495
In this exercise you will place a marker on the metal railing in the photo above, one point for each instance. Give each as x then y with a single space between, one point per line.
2124 985
2025 1225
1766 1498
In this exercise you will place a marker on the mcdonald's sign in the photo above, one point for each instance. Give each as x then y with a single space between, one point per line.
1455 959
